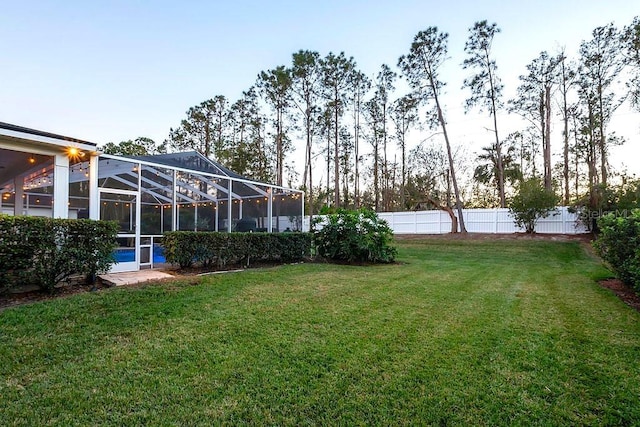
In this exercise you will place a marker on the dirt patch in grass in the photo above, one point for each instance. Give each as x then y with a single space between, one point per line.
623 291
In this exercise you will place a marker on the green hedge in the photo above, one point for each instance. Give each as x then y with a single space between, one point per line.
619 244
210 248
46 251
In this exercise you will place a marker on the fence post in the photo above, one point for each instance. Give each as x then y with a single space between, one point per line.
495 221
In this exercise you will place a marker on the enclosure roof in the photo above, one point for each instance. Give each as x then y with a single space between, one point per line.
191 160
16 128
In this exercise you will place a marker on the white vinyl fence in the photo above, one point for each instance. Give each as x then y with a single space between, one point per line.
497 221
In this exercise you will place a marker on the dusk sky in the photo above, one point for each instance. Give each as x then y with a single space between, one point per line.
114 70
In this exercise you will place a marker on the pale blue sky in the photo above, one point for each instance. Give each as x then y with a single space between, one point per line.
115 70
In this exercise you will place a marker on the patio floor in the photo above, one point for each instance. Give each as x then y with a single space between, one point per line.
133 277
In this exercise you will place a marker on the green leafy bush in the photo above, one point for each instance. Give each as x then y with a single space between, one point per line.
46 251
354 236
210 248
531 202
600 200
619 245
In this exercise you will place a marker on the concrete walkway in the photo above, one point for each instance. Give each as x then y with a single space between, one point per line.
132 277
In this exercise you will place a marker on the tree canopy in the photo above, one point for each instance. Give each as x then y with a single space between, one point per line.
350 137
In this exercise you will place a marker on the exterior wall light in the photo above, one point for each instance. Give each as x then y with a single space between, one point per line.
74 153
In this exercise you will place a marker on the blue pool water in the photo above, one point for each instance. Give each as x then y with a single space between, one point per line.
129 255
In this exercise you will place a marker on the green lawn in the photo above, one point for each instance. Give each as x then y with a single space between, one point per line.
459 332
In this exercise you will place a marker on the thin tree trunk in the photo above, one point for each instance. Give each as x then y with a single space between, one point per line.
336 163
356 132
309 156
547 139
591 162
393 206
311 201
603 140
307 160
385 165
566 158
376 175
220 136
448 210
279 149
565 117
443 124
603 156
577 159
328 164
544 142
448 187
577 164
403 200
499 164
207 138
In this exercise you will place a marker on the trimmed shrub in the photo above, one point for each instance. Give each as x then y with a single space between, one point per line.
180 248
354 236
211 248
619 245
46 251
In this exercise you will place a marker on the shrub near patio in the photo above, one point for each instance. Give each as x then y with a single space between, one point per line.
211 249
46 251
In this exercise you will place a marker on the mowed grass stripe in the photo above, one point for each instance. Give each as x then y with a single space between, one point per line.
460 332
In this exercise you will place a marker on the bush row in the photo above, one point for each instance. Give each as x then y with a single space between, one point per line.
46 251
619 245
210 248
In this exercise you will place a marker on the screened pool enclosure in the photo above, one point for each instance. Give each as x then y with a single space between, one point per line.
147 195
